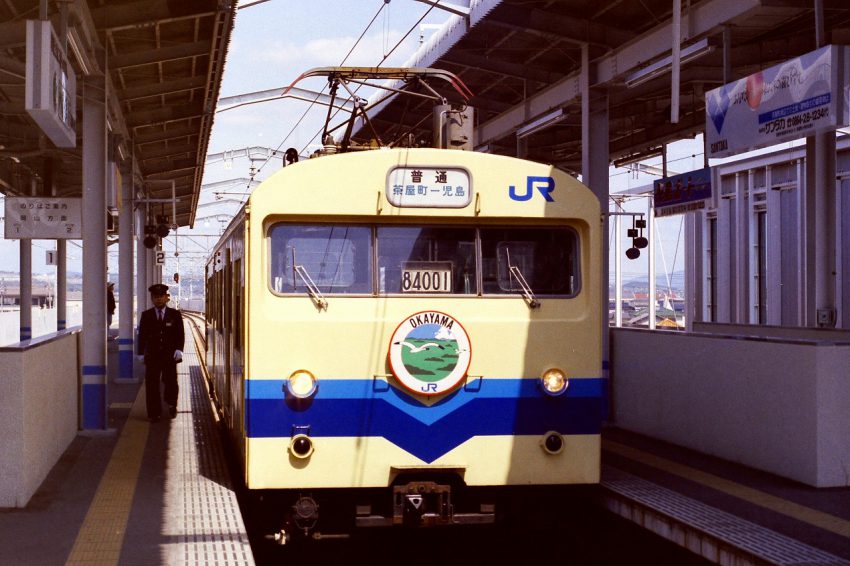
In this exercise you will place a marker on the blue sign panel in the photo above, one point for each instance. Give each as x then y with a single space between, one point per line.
682 193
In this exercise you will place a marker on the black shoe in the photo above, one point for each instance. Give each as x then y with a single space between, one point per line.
172 411
154 419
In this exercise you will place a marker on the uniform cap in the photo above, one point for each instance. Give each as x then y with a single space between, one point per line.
158 289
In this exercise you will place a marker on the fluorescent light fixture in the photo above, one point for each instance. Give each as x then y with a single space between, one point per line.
74 44
541 123
662 66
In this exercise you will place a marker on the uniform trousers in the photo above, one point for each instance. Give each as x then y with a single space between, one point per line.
156 370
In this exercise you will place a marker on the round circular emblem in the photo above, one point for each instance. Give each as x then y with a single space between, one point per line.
429 353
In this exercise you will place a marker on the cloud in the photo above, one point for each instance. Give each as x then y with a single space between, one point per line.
294 58
444 334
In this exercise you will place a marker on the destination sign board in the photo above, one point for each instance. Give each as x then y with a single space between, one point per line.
429 187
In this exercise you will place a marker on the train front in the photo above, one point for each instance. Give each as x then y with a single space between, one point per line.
423 338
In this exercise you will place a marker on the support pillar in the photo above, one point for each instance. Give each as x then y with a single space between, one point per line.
141 265
820 226
61 295
25 282
61 284
125 280
25 293
595 159
93 395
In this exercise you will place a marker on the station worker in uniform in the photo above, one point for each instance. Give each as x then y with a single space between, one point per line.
160 345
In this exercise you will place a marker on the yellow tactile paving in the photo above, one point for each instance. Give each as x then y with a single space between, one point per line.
102 534
796 511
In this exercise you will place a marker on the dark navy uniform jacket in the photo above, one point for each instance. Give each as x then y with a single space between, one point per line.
158 340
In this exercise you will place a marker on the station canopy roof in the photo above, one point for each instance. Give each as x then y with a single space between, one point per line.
522 60
163 62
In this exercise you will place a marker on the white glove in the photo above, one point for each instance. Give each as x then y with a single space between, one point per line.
140 357
178 356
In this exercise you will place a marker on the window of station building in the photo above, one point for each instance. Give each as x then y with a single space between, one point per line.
418 259
334 259
546 260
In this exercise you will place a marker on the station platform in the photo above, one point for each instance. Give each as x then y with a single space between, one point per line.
161 493
727 513
138 493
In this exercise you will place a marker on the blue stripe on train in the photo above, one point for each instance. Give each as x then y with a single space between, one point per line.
374 408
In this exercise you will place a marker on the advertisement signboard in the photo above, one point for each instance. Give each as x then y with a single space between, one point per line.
795 99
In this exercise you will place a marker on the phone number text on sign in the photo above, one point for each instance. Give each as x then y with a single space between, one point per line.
794 124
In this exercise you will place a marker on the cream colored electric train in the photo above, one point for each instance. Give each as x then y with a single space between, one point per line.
409 337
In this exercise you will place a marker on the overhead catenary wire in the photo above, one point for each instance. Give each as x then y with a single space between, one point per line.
384 4
381 62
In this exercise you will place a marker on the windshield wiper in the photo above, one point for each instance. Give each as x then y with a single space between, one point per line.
527 293
312 288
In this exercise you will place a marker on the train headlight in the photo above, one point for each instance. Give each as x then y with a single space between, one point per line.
552 442
554 381
301 384
301 446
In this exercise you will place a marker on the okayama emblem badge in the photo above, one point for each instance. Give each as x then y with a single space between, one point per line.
429 353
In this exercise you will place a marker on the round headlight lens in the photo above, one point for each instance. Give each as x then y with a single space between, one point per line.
301 446
302 384
554 381
553 443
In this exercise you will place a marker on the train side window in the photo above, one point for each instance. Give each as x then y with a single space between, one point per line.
426 260
337 258
546 258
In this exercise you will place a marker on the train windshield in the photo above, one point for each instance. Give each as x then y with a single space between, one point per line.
426 260
436 260
545 260
336 259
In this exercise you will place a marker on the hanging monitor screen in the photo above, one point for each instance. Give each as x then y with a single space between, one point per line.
51 86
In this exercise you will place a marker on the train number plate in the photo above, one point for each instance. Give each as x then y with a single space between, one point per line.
426 277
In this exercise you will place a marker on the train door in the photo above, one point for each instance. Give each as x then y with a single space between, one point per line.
212 322
238 357
227 341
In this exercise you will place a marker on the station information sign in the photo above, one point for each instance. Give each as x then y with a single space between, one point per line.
43 218
798 98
